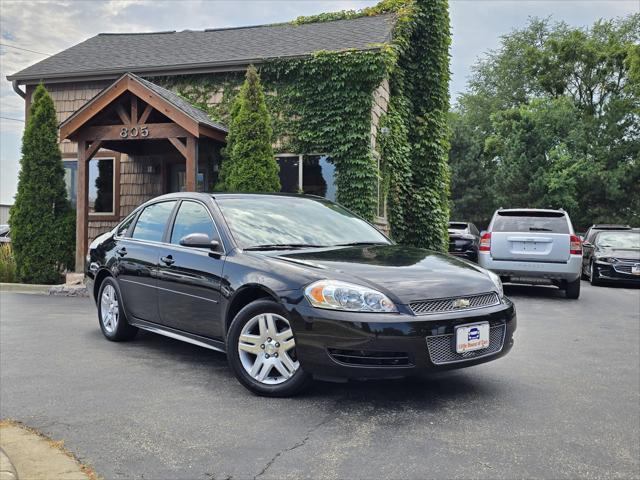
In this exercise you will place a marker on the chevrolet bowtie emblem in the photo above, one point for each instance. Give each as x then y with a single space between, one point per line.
461 303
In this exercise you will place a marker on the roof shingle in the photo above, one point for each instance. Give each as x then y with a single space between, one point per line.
114 54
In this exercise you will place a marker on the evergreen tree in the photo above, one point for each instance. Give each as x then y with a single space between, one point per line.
249 162
42 221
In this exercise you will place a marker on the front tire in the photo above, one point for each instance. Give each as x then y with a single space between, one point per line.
111 315
261 351
594 277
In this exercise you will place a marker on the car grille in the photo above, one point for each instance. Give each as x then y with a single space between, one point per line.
623 267
369 358
442 348
441 305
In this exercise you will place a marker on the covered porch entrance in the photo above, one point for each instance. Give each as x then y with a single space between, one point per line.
136 140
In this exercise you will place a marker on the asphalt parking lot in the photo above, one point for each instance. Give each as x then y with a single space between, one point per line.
565 403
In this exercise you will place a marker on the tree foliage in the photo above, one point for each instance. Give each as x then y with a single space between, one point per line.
552 119
250 165
42 221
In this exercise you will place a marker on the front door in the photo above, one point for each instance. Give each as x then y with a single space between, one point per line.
138 261
189 278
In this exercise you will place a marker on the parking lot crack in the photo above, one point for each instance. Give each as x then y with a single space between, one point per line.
299 444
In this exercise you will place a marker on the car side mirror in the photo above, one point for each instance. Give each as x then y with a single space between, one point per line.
587 244
199 240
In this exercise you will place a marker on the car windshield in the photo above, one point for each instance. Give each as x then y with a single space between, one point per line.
263 221
621 240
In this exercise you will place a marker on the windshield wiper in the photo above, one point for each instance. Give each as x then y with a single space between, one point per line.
282 246
358 244
534 229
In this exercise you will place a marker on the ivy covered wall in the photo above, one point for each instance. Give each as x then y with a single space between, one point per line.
323 104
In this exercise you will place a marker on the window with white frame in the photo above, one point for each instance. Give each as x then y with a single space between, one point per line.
311 174
102 186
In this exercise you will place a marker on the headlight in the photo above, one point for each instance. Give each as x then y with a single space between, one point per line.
497 282
336 295
607 260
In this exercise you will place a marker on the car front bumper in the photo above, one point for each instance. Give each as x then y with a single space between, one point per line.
568 271
336 345
616 272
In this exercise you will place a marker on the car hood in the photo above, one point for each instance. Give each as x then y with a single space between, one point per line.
403 273
623 254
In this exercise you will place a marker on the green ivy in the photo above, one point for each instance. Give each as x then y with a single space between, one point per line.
322 104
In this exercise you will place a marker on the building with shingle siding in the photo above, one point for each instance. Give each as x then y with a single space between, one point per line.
125 138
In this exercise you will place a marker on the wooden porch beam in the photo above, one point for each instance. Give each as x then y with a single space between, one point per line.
191 163
181 147
145 114
153 131
92 149
134 110
82 209
126 120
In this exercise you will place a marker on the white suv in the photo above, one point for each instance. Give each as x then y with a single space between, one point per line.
534 246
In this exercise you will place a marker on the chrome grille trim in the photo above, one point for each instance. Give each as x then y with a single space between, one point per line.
443 305
624 267
442 348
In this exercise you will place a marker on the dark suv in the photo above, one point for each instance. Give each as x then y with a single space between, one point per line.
464 239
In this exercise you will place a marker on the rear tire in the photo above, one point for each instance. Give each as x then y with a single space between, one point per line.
572 289
111 315
261 351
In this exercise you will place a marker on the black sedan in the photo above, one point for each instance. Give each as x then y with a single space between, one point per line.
464 239
291 288
612 255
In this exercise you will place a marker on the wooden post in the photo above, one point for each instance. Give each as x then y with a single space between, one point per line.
192 163
82 208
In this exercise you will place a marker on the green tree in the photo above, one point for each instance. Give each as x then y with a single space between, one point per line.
250 164
41 219
555 113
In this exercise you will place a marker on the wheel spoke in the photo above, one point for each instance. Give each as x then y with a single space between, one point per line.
264 371
262 325
254 349
288 363
271 326
256 366
288 345
284 335
281 368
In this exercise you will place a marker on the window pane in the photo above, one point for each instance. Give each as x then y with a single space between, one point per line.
288 174
101 186
151 223
71 179
317 176
554 222
192 218
124 226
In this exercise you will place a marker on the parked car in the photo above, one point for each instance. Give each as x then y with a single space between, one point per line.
533 246
4 234
464 239
612 255
292 287
593 229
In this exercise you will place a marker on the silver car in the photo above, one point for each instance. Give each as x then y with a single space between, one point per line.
534 246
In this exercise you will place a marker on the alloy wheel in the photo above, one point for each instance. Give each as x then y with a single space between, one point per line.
267 349
109 309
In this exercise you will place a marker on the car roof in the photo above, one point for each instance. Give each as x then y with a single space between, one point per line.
559 210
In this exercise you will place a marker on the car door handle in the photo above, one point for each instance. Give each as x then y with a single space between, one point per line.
122 252
167 260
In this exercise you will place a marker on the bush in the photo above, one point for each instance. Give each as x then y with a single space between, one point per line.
7 264
42 240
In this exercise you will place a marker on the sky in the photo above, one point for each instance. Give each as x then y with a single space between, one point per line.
47 27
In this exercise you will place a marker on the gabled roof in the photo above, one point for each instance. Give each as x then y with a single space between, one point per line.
192 119
163 53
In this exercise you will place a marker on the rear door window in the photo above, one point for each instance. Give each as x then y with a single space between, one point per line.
152 222
457 226
543 222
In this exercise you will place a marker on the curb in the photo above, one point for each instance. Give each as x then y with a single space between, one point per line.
24 288
7 470
63 290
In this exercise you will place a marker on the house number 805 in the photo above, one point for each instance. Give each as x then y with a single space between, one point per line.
134 132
